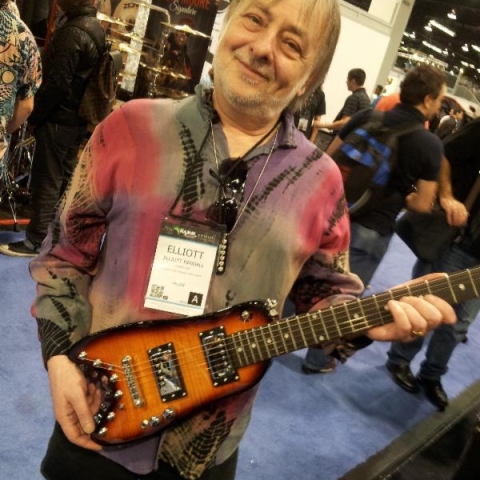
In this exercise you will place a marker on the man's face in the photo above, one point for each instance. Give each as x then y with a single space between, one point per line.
265 56
351 84
435 104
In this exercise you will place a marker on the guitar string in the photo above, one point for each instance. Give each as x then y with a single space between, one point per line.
306 318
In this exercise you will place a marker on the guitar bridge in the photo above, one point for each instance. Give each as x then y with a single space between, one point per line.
219 363
163 360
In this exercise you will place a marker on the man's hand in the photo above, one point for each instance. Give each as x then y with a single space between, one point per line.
75 401
414 316
457 214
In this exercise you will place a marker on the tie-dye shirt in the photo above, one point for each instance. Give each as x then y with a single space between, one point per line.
95 264
20 64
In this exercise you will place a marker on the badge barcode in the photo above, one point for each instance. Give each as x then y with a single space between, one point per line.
157 291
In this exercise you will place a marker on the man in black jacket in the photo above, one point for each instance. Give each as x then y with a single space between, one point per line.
69 59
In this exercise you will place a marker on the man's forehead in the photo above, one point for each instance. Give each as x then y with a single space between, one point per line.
300 15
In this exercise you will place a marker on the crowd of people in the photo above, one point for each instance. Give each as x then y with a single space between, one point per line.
229 169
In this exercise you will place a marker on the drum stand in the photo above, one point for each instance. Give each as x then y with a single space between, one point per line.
15 168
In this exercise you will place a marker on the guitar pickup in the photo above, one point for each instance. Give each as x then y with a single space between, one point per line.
219 363
163 360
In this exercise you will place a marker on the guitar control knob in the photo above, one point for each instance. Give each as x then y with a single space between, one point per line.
155 421
168 414
118 394
111 416
103 431
144 424
114 378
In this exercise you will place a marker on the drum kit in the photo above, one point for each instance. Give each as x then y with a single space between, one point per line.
162 80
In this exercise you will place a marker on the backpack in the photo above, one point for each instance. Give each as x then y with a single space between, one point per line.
366 158
101 85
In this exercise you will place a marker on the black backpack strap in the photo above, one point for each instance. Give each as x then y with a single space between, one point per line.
395 131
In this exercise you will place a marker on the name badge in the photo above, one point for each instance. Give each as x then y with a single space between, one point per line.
182 268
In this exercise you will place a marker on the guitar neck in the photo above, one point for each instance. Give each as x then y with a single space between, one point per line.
294 333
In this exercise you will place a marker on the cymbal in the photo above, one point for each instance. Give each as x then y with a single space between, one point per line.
165 71
123 47
152 7
131 35
185 28
116 21
171 93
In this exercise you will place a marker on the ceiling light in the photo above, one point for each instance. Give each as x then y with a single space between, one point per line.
432 47
441 27
428 28
465 48
452 15
477 49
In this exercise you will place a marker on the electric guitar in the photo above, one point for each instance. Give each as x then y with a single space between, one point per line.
154 373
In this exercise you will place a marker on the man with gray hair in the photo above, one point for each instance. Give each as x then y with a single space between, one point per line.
226 171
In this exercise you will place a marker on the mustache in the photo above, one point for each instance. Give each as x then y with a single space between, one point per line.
258 65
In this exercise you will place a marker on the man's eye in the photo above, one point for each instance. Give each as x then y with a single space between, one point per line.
293 46
254 19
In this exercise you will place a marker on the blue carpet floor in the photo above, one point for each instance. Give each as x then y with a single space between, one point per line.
316 427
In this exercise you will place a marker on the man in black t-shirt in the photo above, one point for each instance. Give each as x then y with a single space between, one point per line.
413 181
356 102
417 165
459 171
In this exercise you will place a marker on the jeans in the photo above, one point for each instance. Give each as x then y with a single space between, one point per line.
445 338
66 461
316 358
56 152
367 249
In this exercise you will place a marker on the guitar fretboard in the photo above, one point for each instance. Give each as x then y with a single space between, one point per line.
294 333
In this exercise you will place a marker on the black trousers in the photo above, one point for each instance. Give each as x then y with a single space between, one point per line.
55 159
66 461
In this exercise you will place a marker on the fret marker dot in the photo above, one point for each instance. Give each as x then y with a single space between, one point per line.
269 340
286 335
321 338
461 286
240 349
254 345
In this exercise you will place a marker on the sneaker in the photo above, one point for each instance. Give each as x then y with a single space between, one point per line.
329 367
24 248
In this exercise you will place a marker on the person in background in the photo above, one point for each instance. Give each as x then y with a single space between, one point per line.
70 57
377 95
227 170
357 101
21 73
311 112
417 163
450 123
460 169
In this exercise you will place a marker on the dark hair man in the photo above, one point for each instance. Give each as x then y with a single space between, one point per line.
417 164
182 207
59 131
356 102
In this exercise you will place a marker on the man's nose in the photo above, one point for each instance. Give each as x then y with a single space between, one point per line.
264 44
